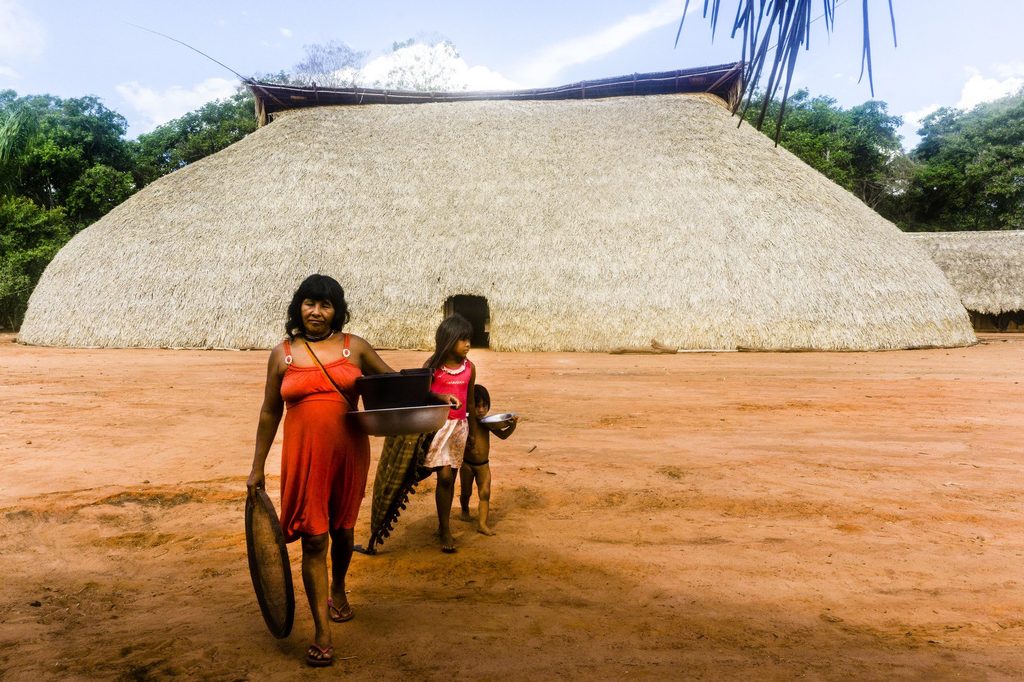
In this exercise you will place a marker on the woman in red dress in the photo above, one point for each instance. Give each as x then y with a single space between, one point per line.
325 457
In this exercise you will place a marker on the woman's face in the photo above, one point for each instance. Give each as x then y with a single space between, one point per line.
317 316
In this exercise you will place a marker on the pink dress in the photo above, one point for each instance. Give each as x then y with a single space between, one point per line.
449 443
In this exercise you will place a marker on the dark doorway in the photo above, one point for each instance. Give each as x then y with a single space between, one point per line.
1009 321
474 309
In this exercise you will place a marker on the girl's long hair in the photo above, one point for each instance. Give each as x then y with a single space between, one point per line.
452 329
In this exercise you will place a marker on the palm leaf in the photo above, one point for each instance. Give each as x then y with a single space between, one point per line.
16 132
787 23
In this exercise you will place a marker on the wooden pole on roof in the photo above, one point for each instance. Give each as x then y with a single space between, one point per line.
261 111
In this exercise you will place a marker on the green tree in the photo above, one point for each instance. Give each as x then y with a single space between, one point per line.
857 148
30 236
332 64
19 127
970 169
199 133
98 190
63 164
48 143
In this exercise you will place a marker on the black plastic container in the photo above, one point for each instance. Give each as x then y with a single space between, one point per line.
408 388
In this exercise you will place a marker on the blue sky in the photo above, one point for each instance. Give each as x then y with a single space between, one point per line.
947 55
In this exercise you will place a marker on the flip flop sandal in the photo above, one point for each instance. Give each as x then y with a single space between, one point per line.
319 657
339 615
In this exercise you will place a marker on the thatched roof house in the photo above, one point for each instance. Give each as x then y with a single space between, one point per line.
567 224
987 271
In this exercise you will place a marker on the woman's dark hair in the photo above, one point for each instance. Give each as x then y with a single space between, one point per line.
452 329
481 395
316 288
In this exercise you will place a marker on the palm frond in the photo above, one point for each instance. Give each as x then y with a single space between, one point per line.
15 133
783 26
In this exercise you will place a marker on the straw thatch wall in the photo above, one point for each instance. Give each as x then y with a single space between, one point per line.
587 225
986 269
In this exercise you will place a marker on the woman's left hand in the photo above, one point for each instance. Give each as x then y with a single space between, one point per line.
447 398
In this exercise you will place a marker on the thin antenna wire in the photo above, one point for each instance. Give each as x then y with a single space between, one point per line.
244 79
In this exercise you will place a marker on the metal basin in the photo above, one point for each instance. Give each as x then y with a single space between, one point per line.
402 421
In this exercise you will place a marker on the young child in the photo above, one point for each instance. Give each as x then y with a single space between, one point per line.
454 379
475 464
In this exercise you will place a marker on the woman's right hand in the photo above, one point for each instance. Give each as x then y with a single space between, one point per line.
257 481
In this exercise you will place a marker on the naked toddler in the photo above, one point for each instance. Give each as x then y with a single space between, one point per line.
475 463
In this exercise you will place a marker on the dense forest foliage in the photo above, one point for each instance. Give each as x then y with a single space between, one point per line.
65 162
966 173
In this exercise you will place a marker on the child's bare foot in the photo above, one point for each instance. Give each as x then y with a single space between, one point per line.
465 515
447 543
484 530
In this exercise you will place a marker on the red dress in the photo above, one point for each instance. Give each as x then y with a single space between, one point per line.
325 457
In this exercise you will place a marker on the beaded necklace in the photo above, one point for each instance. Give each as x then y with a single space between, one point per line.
459 370
314 339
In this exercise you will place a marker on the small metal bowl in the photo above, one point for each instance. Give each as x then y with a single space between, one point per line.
498 418
403 421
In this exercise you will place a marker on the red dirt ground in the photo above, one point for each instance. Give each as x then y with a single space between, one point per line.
698 516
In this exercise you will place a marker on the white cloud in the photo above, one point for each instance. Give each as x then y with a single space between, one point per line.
482 78
160 106
1009 79
21 35
1009 70
912 123
7 73
286 32
419 66
980 89
544 68
919 115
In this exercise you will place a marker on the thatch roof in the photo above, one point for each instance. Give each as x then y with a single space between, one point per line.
724 81
985 268
587 225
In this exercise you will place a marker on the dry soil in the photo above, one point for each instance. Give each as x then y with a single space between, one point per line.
693 516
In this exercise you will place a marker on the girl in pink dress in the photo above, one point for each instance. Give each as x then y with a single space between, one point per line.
454 375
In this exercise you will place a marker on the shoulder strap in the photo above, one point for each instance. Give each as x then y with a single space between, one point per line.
317 362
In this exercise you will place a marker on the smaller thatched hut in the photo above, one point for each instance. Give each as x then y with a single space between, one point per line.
987 270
